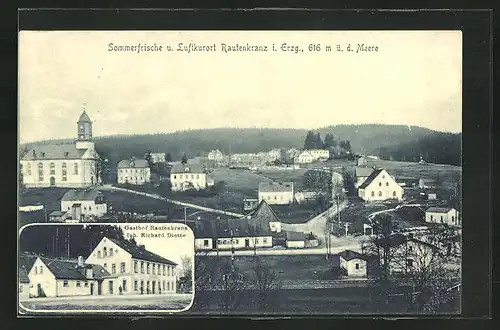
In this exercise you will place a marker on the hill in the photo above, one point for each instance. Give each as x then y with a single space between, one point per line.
367 139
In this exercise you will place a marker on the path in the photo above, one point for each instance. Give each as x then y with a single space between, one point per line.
193 206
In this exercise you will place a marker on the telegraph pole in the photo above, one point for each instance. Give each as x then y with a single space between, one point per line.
346 224
185 215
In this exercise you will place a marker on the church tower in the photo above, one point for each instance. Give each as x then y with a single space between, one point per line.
84 126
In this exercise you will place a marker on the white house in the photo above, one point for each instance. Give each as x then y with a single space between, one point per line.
137 270
295 240
305 157
361 174
24 284
380 186
318 154
158 157
133 171
92 202
188 177
354 263
447 215
274 154
276 192
72 165
216 155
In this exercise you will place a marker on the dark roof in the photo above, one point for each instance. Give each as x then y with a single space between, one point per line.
136 163
84 118
370 179
23 275
295 236
363 171
57 213
68 269
186 168
141 253
54 151
439 209
81 195
275 186
349 255
27 260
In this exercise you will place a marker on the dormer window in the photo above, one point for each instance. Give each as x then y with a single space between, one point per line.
186 169
66 154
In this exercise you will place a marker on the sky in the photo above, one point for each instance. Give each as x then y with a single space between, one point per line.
415 78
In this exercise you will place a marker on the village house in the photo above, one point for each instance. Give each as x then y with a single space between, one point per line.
133 171
188 177
295 240
361 174
72 165
353 263
157 157
380 186
137 270
92 202
276 192
426 184
361 162
24 284
445 215
274 154
290 154
254 230
305 157
216 155
319 154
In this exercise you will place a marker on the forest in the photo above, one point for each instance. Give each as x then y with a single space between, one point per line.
371 139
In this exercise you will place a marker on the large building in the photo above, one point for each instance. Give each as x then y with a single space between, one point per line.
113 268
188 177
276 192
133 171
71 165
380 186
91 200
445 215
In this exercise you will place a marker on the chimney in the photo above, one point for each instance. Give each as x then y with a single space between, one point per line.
80 261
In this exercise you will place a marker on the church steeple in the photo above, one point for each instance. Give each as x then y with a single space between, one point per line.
84 126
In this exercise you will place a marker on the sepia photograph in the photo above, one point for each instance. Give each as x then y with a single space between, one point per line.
105 268
320 171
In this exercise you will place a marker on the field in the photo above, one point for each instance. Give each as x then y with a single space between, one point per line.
136 302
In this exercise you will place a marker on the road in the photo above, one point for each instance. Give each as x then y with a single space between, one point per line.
155 196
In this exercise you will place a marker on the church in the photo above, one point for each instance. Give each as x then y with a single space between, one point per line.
71 165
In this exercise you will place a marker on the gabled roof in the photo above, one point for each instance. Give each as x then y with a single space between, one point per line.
84 118
275 186
305 152
68 269
141 253
23 275
370 179
137 163
439 209
81 195
27 260
350 255
54 151
363 171
295 236
187 168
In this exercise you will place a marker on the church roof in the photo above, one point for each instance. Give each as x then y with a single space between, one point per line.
84 118
54 151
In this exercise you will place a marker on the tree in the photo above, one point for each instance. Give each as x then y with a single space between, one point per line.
184 159
186 277
232 285
205 273
317 181
148 158
168 157
100 169
267 282
309 140
329 141
318 143
438 180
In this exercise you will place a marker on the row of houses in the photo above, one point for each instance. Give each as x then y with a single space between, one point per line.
297 156
114 267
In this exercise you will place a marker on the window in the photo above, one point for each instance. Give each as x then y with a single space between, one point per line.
192 176
124 285
90 208
21 288
387 184
41 270
432 217
197 176
113 269
394 194
98 252
409 262
28 169
380 194
122 267
180 176
36 270
168 286
86 283
52 169
164 270
78 284
142 267
105 252
64 172
105 266
264 240
163 285
256 241
111 252
75 169
65 284
168 270
380 184
410 248
357 266
40 171
154 269
175 176
147 268
205 242
135 266
441 219
373 194
136 285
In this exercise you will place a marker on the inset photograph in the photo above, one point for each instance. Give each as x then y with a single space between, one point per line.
124 268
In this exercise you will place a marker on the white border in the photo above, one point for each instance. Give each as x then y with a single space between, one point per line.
23 311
